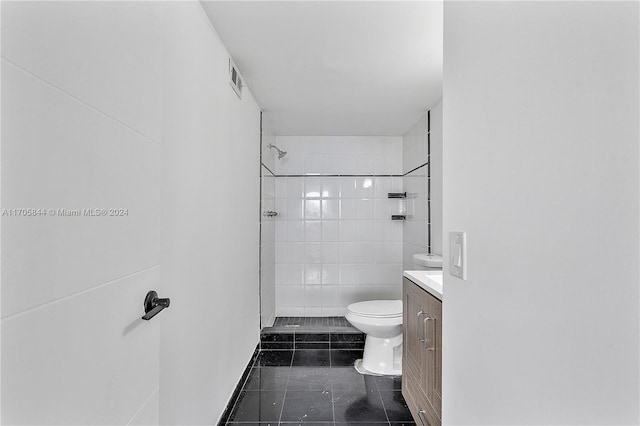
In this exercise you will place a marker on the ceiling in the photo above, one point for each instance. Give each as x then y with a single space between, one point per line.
336 67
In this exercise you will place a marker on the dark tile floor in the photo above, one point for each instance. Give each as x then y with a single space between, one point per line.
315 387
311 322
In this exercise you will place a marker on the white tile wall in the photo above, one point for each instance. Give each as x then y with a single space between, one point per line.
436 178
340 155
335 242
268 227
415 183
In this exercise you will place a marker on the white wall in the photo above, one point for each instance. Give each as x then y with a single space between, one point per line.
81 127
124 104
541 171
335 241
210 213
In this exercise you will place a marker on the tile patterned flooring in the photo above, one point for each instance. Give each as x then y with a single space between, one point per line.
314 387
311 322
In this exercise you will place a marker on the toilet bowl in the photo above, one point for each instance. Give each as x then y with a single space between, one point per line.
381 321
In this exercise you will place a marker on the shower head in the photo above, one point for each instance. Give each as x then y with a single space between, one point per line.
281 153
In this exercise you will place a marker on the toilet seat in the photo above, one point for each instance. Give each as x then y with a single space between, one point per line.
377 309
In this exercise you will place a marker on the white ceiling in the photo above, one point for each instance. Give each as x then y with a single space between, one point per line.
336 67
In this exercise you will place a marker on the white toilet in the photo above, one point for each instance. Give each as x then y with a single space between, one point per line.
381 321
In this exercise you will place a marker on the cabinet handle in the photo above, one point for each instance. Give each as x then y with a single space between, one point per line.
421 417
426 341
421 313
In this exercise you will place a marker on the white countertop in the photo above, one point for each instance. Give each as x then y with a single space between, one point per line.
430 281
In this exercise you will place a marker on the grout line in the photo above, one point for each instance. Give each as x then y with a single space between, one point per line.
48 83
143 405
77 293
286 388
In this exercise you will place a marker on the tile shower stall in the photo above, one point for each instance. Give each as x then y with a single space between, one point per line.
335 242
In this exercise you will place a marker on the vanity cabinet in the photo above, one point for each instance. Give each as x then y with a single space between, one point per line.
422 354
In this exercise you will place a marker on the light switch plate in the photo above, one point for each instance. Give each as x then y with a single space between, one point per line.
458 254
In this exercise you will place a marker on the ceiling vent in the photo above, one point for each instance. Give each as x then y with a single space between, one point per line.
235 80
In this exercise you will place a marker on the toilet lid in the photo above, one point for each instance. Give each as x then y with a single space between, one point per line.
377 308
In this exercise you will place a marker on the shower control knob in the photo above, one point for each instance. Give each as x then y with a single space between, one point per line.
270 213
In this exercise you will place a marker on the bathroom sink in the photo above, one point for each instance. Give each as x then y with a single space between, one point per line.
428 260
430 280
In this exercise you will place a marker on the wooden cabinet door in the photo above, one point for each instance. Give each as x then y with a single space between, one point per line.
433 353
422 354
413 312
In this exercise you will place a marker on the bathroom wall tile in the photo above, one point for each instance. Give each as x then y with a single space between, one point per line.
365 252
387 292
348 209
313 296
280 230
294 253
352 294
312 312
330 274
364 208
312 230
281 187
312 253
313 163
381 187
312 209
330 230
330 252
332 163
280 274
330 296
348 187
349 274
364 187
349 230
295 230
295 209
312 187
331 187
365 164
368 274
291 274
312 274
289 296
389 274
330 209
382 209
396 231
295 187
365 231
348 253
334 311
280 205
